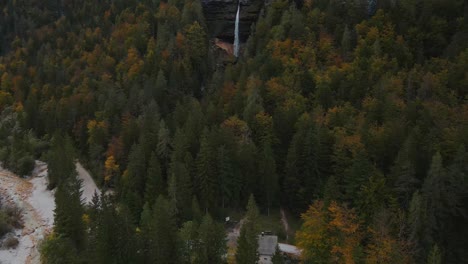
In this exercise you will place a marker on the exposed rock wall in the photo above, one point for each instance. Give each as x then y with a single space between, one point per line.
221 15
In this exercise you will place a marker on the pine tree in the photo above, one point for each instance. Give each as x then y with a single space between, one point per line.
404 174
164 141
133 181
196 212
435 256
164 248
154 182
188 236
346 42
268 176
435 194
302 179
68 212
247 244
212 242
60 159
277 257
206 173
417 225
229 185
160 88
180 189
356 175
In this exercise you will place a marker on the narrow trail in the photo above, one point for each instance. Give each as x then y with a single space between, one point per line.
284 220
89 186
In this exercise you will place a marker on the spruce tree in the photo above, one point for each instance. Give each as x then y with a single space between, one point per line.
164 247
133 181
154 181
404 174
268 176
206 180
61 164
164 142
68 212
277 257
247 244
229 187
212 242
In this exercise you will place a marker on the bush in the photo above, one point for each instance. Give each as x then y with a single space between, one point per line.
14 216
25 165
10 242
4 226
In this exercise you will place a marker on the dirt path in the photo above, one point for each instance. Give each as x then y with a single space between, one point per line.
37 204
284 220
89 186
37 222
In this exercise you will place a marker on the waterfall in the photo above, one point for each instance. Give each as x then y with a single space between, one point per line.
236 33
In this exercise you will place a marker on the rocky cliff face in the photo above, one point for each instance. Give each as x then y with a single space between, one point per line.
221 16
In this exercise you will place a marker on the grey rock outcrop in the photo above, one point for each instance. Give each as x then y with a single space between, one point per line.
221 15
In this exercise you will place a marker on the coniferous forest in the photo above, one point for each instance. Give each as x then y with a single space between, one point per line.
351 115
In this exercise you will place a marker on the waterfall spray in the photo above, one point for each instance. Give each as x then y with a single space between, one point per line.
236 32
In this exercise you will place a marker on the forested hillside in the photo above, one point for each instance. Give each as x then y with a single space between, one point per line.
351 113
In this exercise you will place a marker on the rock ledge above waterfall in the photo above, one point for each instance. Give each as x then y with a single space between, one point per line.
221 15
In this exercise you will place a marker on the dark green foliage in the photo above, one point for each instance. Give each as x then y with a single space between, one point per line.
61 161
358 102
112 237
68 213
57 250
277 257
248 240
212 246
18 147
164 244
154 182
206 180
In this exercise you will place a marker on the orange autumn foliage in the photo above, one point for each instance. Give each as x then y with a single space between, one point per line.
329 235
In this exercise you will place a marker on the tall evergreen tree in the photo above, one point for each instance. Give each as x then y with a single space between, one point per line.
268 176
404 174
154 182
133 181
248 240
212 246
229 184
206 180
164 247
68 212
61 164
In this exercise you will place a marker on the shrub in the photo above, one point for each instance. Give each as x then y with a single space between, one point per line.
14 216
25 165
4 226
10 242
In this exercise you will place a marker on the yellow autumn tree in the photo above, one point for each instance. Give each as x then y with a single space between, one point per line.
111 169
329 234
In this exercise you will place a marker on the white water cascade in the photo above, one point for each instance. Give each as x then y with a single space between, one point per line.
236 33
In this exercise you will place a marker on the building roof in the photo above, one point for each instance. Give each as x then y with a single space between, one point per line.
267 244
289 249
